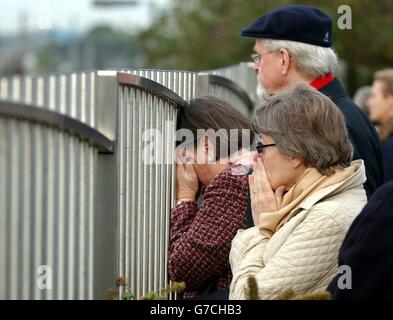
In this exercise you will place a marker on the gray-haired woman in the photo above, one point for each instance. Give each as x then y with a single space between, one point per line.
305 194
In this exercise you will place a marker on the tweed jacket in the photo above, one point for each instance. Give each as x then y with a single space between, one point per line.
200 238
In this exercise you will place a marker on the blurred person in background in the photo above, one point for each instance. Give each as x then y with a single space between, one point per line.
201 235
361 97
381 113
293 45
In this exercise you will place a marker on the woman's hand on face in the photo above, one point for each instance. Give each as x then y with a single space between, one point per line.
187 184
263 197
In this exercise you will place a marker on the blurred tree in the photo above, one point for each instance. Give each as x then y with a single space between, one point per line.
200 34
112 48
204 34
101 47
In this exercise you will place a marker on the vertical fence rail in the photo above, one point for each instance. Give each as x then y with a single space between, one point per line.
183 83
243 75
225 89
147 119
47 204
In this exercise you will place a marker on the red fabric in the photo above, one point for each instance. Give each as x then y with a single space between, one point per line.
321 82
200 239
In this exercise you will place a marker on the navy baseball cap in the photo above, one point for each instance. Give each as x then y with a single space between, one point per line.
294 22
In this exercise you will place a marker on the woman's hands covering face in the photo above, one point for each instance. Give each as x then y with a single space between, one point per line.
187 183
263 197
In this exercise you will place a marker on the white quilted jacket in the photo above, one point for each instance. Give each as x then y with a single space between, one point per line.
303 253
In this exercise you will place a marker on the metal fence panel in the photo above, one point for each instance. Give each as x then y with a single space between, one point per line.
183 83
146 189
71 94
243 75
92 216
47 177
231 96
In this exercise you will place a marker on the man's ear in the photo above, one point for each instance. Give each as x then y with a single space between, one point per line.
285 61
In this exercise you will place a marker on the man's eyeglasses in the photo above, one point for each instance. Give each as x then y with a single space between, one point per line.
257 58
260 146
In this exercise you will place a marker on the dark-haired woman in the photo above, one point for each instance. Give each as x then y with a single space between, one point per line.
213 163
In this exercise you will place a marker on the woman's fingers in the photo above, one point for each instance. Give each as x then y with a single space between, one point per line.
256 173
179 167
187 181
262 176
180 171
279 193
180 155
189 169
254 200
251 181
265 199
260 183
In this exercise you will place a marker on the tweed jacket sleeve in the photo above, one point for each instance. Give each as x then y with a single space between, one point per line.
200 239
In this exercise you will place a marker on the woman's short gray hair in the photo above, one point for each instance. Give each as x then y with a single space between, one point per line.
307 125
313 61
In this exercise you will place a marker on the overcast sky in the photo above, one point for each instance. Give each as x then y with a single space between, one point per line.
71 14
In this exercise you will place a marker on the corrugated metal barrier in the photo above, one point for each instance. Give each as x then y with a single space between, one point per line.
77 194
47 175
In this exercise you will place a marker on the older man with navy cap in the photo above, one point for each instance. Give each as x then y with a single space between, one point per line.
293 44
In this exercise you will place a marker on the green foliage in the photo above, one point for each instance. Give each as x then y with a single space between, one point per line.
105 35
205 34
252 292
101 47
150 296
128 296
201 34
122 283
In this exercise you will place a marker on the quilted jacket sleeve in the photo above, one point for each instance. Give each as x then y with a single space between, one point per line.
307 256
200 239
